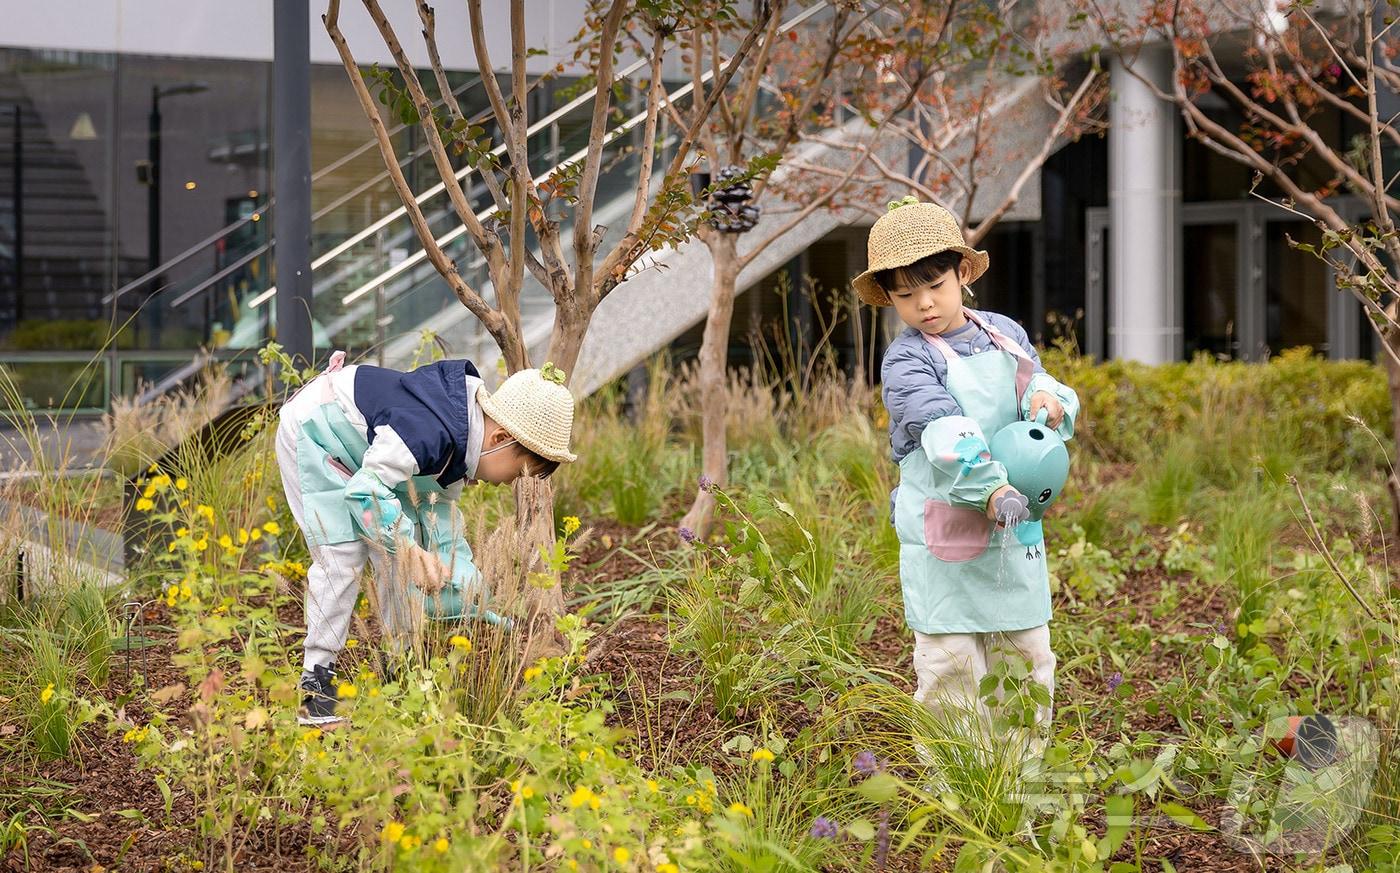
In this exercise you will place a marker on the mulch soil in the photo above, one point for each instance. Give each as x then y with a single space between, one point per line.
659 699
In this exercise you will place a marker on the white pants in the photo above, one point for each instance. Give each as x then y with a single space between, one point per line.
949 667
333 580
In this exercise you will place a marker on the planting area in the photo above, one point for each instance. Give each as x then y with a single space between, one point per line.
1221 560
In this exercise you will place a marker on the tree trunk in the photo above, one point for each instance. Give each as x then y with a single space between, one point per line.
534 522
1391 338
714 381
571 320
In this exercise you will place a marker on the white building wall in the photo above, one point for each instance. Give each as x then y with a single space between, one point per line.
242 29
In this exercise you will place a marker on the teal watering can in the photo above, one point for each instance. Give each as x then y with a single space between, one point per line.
1037 465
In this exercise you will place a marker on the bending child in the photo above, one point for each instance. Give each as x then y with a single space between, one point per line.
373 462
951 380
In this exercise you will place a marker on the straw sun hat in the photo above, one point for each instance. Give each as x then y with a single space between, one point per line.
908 232
534 407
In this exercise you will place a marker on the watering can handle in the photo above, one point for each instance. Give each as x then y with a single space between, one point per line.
1043 416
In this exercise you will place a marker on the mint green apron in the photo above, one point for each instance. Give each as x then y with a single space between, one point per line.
959 571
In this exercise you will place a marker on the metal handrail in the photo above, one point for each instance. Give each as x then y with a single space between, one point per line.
233 226
418 256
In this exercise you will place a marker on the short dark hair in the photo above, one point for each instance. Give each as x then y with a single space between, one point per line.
920 272
537 465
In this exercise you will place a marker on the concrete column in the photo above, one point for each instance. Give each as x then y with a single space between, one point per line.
1144 197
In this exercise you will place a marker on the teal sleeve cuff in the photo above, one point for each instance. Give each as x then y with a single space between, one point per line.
376 512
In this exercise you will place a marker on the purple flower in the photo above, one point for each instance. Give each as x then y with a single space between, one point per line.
1114 681
1334 71
706 483
687 535
866 763
823 828
882 840
1220 628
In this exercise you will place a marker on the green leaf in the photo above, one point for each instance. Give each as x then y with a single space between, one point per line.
881 788
1118 809
1184 816
861 829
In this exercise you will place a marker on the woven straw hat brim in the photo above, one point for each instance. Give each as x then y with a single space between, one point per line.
512 427
911 231
871 292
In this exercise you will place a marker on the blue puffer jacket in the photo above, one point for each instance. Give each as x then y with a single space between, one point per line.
913 373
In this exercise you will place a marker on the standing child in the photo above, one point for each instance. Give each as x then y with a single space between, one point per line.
952 379
373 462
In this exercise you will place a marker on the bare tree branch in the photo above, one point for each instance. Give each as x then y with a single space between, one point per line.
493 321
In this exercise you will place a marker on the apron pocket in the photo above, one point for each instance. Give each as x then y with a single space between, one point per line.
953 533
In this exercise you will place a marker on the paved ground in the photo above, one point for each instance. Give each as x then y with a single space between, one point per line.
73 444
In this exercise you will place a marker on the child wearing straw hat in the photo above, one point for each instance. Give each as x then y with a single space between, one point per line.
373 461
951 380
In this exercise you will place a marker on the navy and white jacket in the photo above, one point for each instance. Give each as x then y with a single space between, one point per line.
423 423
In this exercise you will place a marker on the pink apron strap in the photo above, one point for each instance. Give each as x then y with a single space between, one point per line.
336 362
1025 369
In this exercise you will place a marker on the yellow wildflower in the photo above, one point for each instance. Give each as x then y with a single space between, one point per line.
182 532
47 694
149 492
653 786
242 536
346 689
202 543
668 867
205 510
145 504
271 504
255 534
185 590
351 643
273 528
161 482
527 792
393 832
587 843
374 692
440 845
582 794
571 525
410 842
532 673
621 855
741 809
311 736
182 483
571 864
226 542
762 755
460 642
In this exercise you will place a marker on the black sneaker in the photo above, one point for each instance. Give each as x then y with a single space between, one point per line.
318 706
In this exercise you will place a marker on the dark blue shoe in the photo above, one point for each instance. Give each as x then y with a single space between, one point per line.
318 706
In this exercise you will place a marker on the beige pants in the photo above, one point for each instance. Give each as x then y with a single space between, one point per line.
949 667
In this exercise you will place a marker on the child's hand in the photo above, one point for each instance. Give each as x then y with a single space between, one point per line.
1008 507
1051 404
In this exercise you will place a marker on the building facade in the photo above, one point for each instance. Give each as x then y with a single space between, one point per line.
136 168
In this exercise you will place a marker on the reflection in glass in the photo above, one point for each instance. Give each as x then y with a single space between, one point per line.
1296 289
1210 253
